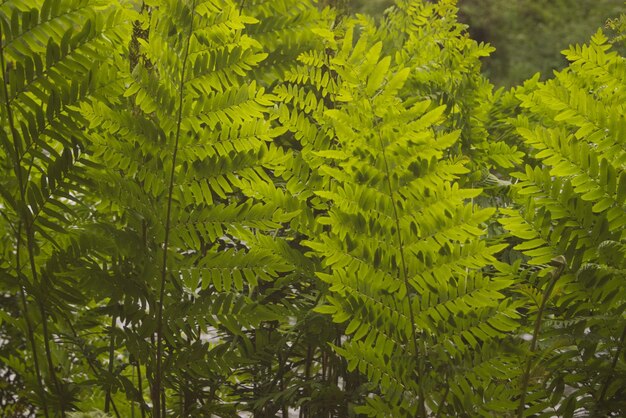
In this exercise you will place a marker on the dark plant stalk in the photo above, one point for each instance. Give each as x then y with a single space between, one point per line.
31 339
140 388
117 413
107 397
285 407
559 263
23 219
421 407
132 379
159 327
30 243
29 327
26 219
46 344
338 362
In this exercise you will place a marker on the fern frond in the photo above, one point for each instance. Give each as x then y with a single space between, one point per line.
401 244
572 205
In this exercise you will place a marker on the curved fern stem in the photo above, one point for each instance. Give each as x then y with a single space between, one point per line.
22 214
420 401
559 263
156 393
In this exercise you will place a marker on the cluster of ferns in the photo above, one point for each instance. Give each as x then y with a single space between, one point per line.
272 208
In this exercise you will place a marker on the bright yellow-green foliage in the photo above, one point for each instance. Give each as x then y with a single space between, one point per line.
212 208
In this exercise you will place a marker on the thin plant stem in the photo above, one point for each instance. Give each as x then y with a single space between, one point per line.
22 213
168 220
142 409
107 398
559 263
421 409
30 238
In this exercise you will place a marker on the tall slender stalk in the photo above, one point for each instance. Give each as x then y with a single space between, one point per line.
159 328
132 379
29 327
142 408
107 397
559 263
26 220
46 339
421 407
23 215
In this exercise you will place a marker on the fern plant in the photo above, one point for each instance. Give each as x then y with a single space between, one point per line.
403 245
190 110
571 204
213 207
53 57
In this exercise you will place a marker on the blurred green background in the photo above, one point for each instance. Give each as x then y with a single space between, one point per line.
528 34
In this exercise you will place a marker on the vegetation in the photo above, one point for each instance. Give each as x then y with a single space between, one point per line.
269 207
528 34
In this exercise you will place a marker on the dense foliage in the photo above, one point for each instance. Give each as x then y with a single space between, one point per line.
269 207
528 34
